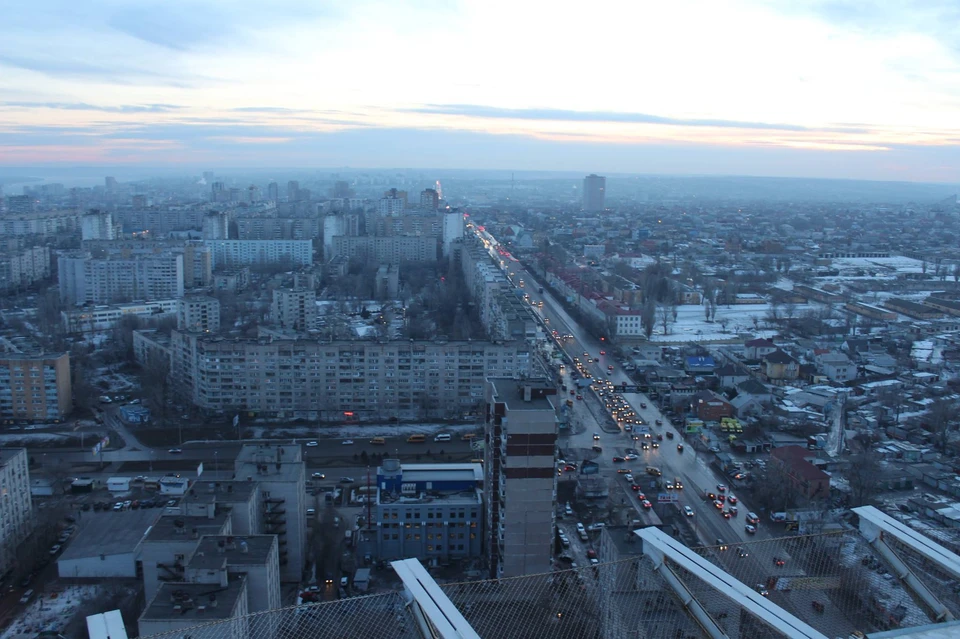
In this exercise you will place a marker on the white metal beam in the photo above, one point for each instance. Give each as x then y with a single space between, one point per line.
444 618
657 545
876 526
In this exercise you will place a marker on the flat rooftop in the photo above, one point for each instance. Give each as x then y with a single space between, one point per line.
624 541
450 474
220 492
210 555
510 392
190 596
269 463
124 530
6 454
466 497
166 528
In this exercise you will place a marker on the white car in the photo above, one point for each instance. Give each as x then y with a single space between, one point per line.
688 511
629 478
319 476
568 510
750 528
175 451
580 527
630 457
347 442
312 444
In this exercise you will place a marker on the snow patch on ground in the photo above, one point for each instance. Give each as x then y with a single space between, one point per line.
50 611
691 324
33 438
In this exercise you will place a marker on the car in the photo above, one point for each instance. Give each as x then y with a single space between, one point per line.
312 444
635 437
711 496
658 422
628 428
721 497
171 503
85 507
566 559
54 549
778 562
135 505
631 451
580 397
597 449
751 529
721 545
741 553
688 511
636 487
630 457
655 445
175 451
591 553
596 436
643 404
718 504
669 434
623 471
670 485
644 446
127 504
603 352
567 509
564 542
573 392
118 506
27 596
63 538
580 527
677 483
659 437
594 561
752 518
346 480
597 526
733 511
679 448
721 488
347 442
646 503
732 499
762 590
641 496
318 476
726 514
629 478
617 459
344 582
570 467
714 449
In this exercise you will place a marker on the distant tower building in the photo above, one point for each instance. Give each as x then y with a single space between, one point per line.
439 190
452 231
235 194
293 191
430 199
110 183
594 192
19 204
390 206
273 192
97 225
216 189
208 177
216 226
139 201
333 225
253 193
394 193
341 189
520 476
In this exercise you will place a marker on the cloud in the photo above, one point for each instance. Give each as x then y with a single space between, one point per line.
564 115
82 106
114 73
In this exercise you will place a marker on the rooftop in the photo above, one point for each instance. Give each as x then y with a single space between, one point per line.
197 603
213 550
177 527
6 454
511 392
125 529
270 463
221 492
624 541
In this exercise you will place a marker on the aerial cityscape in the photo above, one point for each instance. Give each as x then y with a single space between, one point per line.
308 335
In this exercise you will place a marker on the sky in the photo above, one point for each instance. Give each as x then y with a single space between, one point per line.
819 88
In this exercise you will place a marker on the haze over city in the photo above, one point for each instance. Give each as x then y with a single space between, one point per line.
866 90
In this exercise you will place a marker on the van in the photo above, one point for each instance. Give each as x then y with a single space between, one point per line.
653 470
466 437
442 437
416 439
378 441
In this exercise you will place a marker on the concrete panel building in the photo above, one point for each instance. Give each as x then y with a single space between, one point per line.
233 253
88 557
294 309
177 606
373 380
520 475
198 313
107 316
16 507
452 231
35 387
171 542
218 558
389 250
594 192
24 267
282 475
430 511
197 265
97 225
84 279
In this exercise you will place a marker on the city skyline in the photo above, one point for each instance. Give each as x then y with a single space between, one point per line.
868 91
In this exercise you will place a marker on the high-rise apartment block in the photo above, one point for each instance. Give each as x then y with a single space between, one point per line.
232 253
295 309
35 387
97 225
520 475
273 192
84 279
452 231
307 378
197 265
429 199
293 191
391 206
216 226
389 250
594 192
198 313
16 509
38 223
23 267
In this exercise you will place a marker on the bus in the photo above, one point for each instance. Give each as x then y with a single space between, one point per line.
416 439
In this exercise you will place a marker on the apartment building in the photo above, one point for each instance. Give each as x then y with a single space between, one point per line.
282 475
35 387
388 250
503 314
97 225
427 511
88 280
159 220
198 313
149 345
23 267
278 228
257 557
520 475
178 606
233 253
216 226
16 514
452 231
414 224
197 265
101 318
294 309
308 378
39 223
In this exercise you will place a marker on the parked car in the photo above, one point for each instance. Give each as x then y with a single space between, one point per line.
318 476
312 444
175 451
346 480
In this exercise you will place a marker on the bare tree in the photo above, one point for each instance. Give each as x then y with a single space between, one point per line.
666 318
940 420
862 476
648 317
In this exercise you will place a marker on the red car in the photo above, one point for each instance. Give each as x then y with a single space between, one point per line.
647 504
732 499
635 487
580 397
641 497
